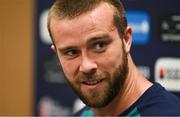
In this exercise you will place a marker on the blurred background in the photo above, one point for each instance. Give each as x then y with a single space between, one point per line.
17 57
31 83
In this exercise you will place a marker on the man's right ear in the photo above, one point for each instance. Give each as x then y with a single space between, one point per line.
53 48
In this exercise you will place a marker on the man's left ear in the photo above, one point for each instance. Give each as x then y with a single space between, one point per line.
53 48
127 40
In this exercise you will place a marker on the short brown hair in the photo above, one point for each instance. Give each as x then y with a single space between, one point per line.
73 8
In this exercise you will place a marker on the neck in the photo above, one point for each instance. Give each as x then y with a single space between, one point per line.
135 85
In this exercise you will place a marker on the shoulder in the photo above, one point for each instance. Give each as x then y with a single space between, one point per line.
86 111
157 101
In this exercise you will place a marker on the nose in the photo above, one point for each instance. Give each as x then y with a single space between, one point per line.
87 65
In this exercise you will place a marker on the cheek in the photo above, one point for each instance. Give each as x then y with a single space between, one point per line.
110 61
112 58
70 69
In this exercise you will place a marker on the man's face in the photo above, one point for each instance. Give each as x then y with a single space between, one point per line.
92 55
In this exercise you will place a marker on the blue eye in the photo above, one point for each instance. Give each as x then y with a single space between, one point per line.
100 45
71 53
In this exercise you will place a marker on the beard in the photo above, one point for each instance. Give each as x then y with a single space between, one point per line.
112 85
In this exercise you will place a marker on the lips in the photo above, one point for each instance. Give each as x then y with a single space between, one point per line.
92 82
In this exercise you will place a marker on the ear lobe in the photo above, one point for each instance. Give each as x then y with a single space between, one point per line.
53 48
128 39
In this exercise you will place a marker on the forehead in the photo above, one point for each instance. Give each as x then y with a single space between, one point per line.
99 19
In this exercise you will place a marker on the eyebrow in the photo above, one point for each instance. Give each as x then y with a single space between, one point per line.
62 50
98 38
89 42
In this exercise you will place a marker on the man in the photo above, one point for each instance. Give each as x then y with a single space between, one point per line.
92 41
